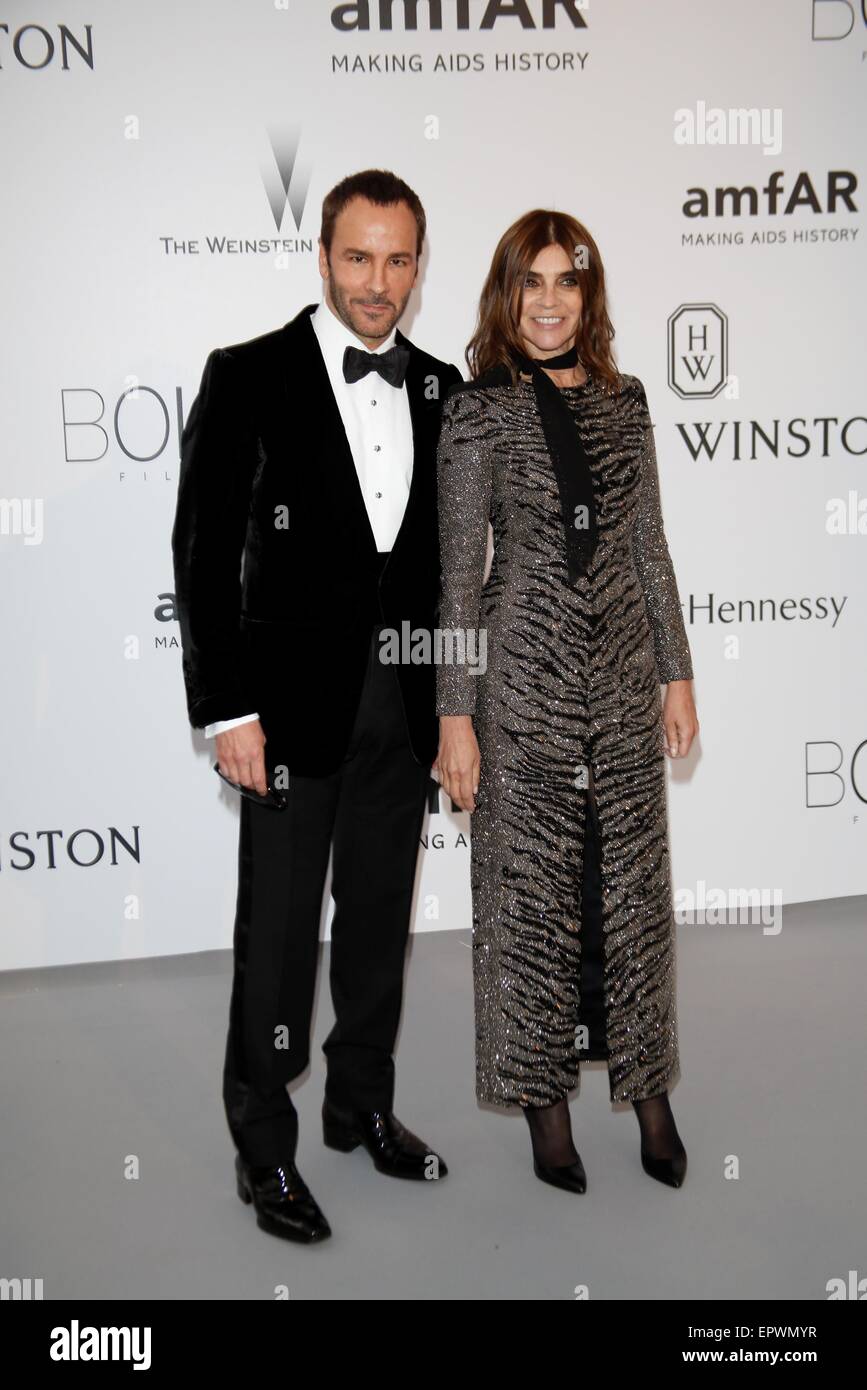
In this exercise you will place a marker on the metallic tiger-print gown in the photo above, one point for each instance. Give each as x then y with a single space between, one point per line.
569 698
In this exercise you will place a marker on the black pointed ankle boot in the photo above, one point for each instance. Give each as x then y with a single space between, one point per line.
659 1131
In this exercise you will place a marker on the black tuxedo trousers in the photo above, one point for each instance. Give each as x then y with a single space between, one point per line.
370 812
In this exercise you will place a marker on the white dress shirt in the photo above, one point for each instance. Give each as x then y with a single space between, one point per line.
378 426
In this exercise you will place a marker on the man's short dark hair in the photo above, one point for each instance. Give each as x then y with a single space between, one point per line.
378 186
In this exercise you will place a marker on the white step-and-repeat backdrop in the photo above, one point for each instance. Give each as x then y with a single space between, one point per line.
163 169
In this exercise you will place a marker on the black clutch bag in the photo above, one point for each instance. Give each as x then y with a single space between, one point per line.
274 800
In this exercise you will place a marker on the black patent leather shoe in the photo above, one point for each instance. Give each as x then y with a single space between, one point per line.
671 1171
284 1204
394 1149
571 1176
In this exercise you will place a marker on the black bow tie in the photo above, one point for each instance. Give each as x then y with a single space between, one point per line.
391 365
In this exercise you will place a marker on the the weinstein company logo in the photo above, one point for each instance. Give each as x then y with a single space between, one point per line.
286 183
697 351
286 180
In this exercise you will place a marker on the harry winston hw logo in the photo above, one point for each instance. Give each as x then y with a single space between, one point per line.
287 180
698 351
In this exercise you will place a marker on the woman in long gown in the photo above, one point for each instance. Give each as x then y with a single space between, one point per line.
553 733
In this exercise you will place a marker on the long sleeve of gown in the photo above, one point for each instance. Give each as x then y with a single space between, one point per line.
464 493
655 570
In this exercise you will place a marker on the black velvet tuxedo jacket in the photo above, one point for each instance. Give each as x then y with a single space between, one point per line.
276 571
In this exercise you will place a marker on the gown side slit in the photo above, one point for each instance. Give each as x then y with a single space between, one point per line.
592 966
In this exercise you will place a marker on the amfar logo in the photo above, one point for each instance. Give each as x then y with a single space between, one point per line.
698 351
166 612
722 202
835 19
39 51
358 15
286 181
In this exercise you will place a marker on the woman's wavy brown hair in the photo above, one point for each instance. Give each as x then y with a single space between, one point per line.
497 340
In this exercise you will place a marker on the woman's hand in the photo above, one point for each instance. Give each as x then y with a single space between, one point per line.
459 760
679 718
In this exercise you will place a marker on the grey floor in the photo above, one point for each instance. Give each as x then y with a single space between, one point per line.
107 1061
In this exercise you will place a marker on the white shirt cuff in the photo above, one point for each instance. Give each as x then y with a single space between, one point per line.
223 724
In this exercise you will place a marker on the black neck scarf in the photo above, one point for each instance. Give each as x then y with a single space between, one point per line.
569 458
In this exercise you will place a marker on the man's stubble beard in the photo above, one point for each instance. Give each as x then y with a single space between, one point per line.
362 330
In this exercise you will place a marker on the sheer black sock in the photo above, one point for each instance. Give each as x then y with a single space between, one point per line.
551 1134
659 1136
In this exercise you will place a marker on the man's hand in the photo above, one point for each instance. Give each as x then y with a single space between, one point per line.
241 755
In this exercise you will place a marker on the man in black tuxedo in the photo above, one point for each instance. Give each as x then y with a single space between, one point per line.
306 527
